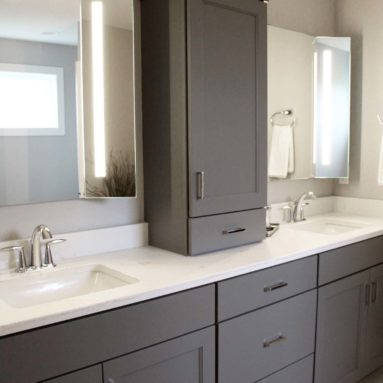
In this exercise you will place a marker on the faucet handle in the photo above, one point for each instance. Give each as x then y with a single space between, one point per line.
21 254
48 261
288 212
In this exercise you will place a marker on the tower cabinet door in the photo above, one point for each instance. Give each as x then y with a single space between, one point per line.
341 326
227 87
188 359
375 320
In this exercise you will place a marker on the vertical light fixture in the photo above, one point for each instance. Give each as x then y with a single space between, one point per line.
327 107
98 88
315 134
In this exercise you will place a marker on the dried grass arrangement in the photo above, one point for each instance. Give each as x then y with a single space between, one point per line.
120 180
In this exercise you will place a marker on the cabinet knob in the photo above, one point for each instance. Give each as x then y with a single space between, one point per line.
110 380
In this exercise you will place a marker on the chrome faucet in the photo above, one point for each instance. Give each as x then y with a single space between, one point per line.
299 205
40 232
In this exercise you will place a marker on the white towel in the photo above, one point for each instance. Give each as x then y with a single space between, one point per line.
281 161
380 168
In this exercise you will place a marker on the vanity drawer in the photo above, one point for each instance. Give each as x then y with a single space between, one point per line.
87 341
246 293
300 372
347 260
255 345
226 230
88 375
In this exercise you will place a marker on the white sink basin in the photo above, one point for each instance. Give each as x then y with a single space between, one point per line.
329 226
54 285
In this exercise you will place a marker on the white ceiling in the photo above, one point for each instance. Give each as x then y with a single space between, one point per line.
55 21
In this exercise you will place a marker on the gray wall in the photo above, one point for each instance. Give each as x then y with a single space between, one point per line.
28 165
19 221
362 20
316 18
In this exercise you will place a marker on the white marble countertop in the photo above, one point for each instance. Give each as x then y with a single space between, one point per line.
161 272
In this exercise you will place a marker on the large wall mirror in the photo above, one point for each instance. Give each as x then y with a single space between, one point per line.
308 105
67 110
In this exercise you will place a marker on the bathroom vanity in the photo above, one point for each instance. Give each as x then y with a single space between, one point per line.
263 313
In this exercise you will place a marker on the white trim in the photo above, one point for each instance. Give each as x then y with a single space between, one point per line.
35 131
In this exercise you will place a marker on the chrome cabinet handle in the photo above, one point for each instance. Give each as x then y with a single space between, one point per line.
368 294
277 286
201 185
233 231
22 260
374 293
277 339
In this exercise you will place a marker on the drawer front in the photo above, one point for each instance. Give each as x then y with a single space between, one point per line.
86 341
88 375
190 358
255 345
226 230
300 372
338 263
246 293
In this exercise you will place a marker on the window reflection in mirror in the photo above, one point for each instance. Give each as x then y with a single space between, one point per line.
38 55
107 34
67 128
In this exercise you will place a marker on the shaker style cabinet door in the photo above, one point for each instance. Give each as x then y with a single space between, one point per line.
227 86
375 320
189 359
341 327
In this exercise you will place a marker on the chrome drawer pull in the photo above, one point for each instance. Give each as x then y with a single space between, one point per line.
277 286
201 185
233 231
279 338
374 294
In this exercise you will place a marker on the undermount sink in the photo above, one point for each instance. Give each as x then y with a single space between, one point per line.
53 285
329 226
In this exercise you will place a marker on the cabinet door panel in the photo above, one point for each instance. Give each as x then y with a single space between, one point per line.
342 313
227 105
375 320
189 359
257 344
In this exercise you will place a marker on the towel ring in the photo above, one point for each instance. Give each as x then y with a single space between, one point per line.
286 113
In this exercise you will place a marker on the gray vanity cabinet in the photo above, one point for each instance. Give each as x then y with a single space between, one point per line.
88 375
204 122
63 348
260 343
341 327
350 312
189 359
375 320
